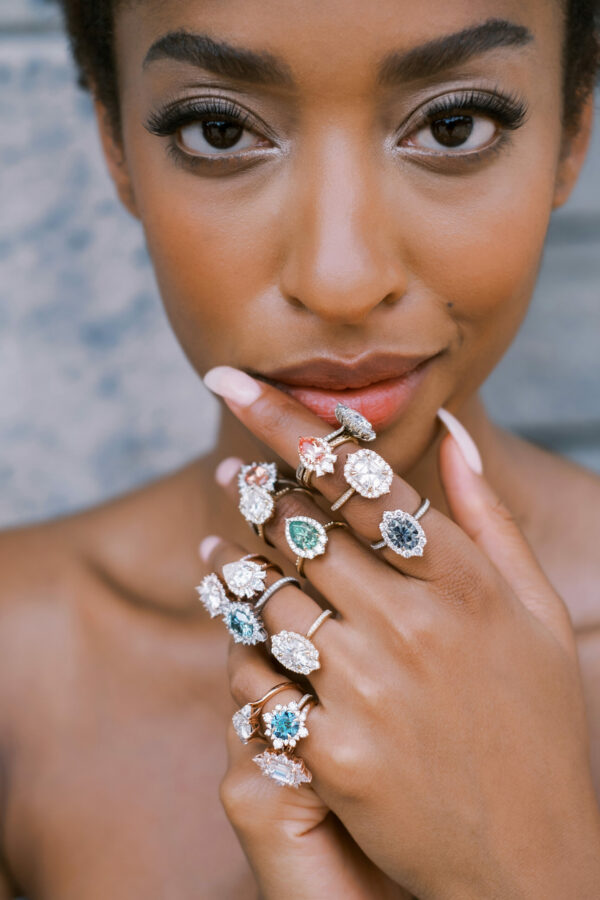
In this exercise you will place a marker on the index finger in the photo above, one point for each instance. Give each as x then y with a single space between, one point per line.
280 420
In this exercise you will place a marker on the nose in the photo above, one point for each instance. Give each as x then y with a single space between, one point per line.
342 260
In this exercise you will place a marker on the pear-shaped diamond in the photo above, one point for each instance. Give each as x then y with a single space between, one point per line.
244 578
305 536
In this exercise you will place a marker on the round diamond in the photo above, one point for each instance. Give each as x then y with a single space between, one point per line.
256 504
244 578
355 423
244 625
285 725
316 455
305 536
260 474
212 595
402 533
295 652
243 724
283 769
368 473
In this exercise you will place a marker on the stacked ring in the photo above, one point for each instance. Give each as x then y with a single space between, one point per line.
402 532
316 453
246 720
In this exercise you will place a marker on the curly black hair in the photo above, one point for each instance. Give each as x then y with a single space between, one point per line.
89 24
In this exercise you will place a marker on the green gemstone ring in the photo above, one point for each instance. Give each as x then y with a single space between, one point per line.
308 538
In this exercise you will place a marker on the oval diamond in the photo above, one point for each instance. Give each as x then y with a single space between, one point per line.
402 533
355 423
295 652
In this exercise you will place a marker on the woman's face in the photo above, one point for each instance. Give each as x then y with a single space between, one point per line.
349 199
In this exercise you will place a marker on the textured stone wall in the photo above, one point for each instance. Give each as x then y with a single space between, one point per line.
95 395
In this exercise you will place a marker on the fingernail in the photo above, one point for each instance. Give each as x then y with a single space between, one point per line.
227 470
206 547
467 445
232 384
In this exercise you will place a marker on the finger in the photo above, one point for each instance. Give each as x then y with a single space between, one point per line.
289 609
482 515
349 575
279 421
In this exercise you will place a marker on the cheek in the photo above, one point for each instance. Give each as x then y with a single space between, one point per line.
212 251
484 248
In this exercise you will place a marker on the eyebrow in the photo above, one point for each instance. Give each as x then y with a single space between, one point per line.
450 51
262 68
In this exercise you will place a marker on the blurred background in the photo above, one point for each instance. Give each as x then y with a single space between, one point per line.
95 394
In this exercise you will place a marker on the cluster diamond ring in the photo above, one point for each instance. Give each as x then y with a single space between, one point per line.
402 532
285 725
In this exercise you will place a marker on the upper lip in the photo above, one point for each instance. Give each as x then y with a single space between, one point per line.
339 374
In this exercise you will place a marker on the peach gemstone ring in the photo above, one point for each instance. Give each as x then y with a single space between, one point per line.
316 456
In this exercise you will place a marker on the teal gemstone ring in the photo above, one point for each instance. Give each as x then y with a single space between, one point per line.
308 538
285 725
402 532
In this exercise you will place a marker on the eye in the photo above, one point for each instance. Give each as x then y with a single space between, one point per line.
214 135
462 123
208 129
460 131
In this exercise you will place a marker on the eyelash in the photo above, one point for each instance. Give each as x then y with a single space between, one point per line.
509 111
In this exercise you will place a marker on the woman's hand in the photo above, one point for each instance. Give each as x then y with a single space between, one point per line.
450 737
296 846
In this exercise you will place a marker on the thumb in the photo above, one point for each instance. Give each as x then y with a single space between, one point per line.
478 510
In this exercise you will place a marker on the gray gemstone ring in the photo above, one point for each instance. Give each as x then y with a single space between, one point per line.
402 532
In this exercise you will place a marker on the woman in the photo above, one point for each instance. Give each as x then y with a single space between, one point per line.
342 203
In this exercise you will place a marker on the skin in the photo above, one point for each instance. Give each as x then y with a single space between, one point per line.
113 715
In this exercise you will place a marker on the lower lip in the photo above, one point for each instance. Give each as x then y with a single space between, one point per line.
380 403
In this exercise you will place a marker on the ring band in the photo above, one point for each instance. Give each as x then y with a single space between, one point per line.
246 720
296 652
318 622
402 532
266 596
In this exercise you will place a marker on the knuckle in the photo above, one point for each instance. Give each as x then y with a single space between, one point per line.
236 793
239 680
346 764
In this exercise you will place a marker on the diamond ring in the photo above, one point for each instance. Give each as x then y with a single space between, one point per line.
213 597
246 577
368 474
246 720
402 532
296 652
276 586
283 769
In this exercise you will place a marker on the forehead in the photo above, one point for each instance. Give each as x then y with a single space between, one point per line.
323 44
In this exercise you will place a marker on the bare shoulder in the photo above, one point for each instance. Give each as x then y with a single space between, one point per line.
557 504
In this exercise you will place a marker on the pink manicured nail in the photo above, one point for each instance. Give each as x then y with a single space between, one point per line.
227 470
206 547
232 384
464 440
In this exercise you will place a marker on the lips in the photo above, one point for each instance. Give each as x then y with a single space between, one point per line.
380 387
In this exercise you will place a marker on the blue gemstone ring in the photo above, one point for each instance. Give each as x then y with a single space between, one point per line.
402 532
285 725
